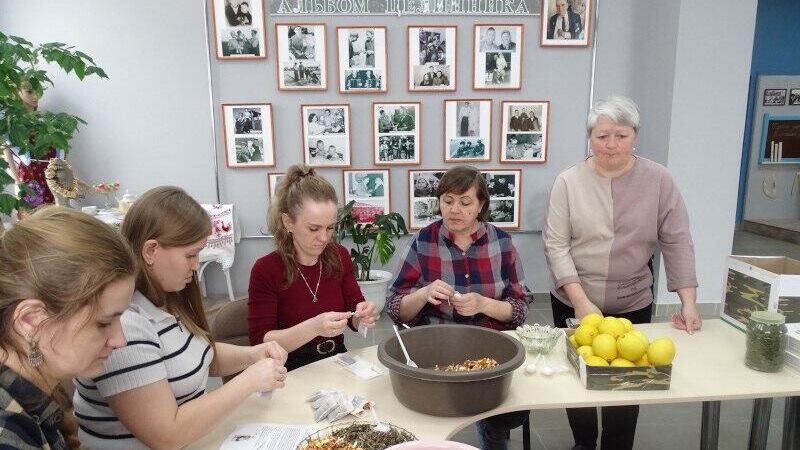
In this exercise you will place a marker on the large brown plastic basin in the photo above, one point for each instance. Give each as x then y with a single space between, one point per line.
451 394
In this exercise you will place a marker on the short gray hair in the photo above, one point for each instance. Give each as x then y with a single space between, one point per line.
616 108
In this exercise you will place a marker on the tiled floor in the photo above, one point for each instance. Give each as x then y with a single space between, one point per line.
674 426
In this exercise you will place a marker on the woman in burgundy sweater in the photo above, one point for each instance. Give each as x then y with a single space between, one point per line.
303 294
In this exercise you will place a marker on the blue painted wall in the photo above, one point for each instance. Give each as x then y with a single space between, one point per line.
776 51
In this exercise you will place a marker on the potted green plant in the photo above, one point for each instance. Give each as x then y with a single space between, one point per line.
29 131
371 240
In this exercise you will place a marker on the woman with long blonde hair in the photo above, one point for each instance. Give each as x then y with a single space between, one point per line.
65 280
151 393
304 294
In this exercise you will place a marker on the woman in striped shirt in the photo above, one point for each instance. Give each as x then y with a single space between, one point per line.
152 392
65 279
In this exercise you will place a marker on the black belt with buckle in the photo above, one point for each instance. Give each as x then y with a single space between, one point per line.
325 347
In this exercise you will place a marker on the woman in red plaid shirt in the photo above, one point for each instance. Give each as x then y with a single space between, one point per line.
462 269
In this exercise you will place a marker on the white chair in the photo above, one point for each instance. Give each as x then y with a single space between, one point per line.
221 245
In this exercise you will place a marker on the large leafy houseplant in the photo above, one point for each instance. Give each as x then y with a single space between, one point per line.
369 238
33 131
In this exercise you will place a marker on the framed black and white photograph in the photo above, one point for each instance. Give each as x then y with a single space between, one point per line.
301 56
774 97
504 197
370 190
423 205
326 135
239 29
249 137
566 23
273 179
497 56
467 130
523 131
794 96
362 59
432 58
396 133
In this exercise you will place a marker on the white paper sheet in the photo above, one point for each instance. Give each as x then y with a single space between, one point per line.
266 436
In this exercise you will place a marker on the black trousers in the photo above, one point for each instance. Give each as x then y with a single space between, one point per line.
619 422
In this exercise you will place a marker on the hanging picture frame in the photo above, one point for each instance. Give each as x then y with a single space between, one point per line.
239 29
523 131
467 130
302 57
432 58
370 191
249 136
273 178
774 97
505 198
566 23
396 133
326 135
497 56
423 205
362 59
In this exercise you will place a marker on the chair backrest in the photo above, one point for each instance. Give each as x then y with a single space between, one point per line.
230 323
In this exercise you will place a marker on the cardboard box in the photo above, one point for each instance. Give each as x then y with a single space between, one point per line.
759 283
602 378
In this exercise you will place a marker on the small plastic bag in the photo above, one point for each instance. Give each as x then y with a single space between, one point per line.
323 407
317 395
344 406
362 329
359 405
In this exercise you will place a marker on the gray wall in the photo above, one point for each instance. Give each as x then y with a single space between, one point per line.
757 205
151 124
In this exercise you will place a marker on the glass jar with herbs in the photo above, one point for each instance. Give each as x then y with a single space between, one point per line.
766 341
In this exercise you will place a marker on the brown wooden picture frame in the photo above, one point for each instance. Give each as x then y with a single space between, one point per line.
377 135
325 135
429 200
363 202
219 14
273 178
344 65
543 132
515 56
547 16
451 52
282 58
485 123
495 199
233 136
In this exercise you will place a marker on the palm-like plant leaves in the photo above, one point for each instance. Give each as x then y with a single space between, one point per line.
369 238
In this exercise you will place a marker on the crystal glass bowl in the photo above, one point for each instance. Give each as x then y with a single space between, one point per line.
539 339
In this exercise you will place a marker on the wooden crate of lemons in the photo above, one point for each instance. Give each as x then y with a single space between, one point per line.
610 354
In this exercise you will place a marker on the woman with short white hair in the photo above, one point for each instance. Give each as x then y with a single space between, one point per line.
606 218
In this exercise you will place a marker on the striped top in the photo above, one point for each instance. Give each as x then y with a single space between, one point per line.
29 419
601 232
489 267
158 348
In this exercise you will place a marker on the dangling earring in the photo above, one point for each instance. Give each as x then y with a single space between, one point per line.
35 358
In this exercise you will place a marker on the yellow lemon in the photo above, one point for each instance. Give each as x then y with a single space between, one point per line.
643 361
573 341
626 323
612 326
596 361
631 347
605 346
661 352
584 334
592 319
622 362
642 336
585 351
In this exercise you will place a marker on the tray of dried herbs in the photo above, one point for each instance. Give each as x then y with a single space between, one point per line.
355 436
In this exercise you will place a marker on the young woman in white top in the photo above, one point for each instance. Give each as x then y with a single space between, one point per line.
152 392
